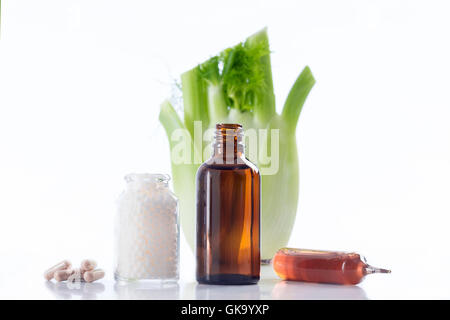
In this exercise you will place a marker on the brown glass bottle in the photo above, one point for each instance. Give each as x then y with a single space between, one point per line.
228 213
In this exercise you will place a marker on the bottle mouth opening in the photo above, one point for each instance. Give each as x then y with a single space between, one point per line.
147 177
227 130
228 126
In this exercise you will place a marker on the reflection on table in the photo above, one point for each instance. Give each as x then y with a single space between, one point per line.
143 290
292 290
214 292
277 289
83 290
269 287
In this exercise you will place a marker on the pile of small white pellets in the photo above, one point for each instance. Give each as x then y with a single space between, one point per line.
147 232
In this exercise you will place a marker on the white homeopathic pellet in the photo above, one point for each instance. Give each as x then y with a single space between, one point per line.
147 230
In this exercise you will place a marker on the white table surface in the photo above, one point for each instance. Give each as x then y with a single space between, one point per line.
268 288
26 282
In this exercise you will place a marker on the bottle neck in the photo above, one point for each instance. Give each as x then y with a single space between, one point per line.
228 145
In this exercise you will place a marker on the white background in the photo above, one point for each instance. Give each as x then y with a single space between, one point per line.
80 88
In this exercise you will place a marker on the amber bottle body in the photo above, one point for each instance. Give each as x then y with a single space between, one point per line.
228 213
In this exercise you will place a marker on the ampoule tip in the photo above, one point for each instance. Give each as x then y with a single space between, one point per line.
370 269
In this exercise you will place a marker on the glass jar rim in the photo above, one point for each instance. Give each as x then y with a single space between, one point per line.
147 177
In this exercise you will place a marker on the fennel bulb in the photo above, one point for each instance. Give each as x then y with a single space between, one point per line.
236 87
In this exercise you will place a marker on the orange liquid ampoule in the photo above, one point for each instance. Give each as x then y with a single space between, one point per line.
322 266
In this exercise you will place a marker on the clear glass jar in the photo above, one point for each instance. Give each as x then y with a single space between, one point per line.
147 230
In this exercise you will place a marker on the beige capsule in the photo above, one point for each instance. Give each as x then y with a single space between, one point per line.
63 275
49 273
90 276
88 265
